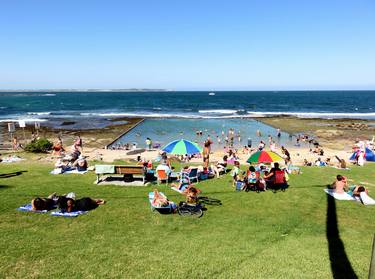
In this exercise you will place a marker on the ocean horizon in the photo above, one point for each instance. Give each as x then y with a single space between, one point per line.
49 106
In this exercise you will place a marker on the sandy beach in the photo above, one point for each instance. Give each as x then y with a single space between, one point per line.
335 136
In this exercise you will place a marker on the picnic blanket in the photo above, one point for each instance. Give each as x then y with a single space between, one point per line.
341 196
101 169
28 208
68 214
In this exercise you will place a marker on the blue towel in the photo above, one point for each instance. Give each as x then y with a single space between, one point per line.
67 214
28 208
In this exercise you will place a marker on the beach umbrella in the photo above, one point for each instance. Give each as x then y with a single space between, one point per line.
182 147
264 157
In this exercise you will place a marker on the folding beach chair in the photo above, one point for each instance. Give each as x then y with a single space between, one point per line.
193 174
161 175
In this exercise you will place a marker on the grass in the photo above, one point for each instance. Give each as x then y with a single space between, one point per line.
251 235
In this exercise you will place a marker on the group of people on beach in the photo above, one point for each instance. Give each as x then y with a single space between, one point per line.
67 161
260 178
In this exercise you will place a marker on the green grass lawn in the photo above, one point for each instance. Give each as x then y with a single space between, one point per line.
251 235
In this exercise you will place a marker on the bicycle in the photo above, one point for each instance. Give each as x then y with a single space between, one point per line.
209 201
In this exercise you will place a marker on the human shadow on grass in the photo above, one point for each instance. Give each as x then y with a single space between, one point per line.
340 264
7 175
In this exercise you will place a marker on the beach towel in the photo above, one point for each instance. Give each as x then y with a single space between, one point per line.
68 214
177 190
28 208
69 171
366 199
11 159
335 167
101 169
337 196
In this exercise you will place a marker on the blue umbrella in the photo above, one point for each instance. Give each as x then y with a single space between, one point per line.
182 147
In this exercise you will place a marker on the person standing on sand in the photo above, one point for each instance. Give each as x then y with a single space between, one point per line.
206 154
249 143
209 142
286 154
149 143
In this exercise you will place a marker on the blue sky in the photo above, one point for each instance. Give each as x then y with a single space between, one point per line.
188 45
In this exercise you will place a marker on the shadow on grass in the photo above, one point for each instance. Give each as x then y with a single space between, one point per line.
4 187
340 264
7 175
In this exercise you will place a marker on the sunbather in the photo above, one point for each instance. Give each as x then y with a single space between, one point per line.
340 185
80 164
84 204
49 203
159 200
356 190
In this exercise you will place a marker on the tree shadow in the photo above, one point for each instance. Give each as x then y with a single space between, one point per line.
340 264
7 175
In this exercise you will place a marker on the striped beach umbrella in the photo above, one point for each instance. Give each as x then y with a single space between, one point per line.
264 157
182 147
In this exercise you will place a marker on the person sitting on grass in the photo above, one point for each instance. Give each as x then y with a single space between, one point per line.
252 179
191 193
340 185
220 167
342 163
236 172
81 164
57 148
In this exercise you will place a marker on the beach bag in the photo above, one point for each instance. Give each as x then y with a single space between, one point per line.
286 176
260 186
239 185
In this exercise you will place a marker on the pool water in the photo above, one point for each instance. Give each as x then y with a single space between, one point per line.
163 131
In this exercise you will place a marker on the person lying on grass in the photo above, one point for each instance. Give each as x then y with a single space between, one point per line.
84 204
356 190
159 200
49 203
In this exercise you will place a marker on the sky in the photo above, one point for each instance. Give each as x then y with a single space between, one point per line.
188 44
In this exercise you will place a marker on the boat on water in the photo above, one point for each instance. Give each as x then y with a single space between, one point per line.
211 93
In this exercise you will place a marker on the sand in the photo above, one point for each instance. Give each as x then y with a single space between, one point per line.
336 136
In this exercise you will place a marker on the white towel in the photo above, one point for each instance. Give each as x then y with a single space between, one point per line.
177 190
366 199
339 196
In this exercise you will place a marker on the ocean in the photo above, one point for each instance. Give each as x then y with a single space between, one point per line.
100 106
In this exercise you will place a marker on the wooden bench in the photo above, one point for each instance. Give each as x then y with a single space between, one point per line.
122 170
